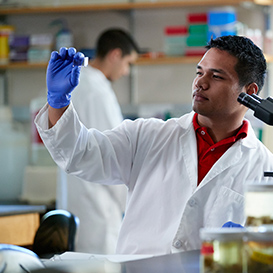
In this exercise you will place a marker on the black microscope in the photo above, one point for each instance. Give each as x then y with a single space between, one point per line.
263 110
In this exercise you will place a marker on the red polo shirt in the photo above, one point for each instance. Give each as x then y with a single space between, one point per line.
208 151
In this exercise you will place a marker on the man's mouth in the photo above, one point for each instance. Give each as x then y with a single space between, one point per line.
199 97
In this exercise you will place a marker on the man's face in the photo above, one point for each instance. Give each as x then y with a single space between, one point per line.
121 65
216 86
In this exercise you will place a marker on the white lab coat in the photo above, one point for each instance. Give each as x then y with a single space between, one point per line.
99 207
157 161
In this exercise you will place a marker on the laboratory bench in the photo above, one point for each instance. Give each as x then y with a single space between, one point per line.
19 223
183 262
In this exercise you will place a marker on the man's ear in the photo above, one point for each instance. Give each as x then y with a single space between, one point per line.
252 88
115 54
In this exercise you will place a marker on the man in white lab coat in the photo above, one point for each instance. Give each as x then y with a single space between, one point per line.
182 174
100 208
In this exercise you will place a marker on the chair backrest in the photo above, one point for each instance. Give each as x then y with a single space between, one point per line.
56 233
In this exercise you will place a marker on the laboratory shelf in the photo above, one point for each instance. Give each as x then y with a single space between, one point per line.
168 60
9 10
22 65
142 61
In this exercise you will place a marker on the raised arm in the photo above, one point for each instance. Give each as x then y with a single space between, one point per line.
54 115
63 74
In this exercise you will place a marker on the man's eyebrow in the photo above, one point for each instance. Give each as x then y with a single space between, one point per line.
220 71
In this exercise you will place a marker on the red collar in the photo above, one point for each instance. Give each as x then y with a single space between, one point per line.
242 133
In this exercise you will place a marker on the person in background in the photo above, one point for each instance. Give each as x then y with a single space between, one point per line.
182 174
99 207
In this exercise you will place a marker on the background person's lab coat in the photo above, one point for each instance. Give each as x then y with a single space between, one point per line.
99 207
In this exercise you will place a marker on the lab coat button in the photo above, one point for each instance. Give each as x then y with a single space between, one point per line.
192 202
177 244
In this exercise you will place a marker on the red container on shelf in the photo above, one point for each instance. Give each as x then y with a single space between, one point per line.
176 30
197 18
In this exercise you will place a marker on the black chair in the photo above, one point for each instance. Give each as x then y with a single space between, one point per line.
17 259
56 233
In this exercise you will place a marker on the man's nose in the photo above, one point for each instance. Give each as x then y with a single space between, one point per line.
202 82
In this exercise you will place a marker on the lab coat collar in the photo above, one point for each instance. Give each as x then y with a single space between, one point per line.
231 157
186 120
186 123
250 141
189 149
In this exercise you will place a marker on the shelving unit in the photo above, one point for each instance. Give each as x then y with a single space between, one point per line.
140 62
128 6
17 10
23 65
128 9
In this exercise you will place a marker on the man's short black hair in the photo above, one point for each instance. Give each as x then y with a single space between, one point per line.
251 65
115 38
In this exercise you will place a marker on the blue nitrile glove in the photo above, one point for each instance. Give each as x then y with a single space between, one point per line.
63 74
231 225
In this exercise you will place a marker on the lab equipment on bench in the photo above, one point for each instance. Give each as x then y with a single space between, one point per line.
258 249
258 242
221 250
263 110
258 204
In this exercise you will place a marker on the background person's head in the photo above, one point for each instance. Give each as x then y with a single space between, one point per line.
116 50
115 38
251 65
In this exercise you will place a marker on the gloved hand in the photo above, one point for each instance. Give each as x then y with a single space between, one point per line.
231 225
63 74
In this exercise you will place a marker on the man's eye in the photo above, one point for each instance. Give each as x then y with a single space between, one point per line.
198 73
217 77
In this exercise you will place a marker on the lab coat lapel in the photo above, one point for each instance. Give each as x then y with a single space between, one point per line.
230 158
189 151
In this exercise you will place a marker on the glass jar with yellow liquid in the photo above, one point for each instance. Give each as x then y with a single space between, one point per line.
259 204
222 250
258 247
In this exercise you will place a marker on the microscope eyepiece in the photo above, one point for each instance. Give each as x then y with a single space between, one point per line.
263 108
248 101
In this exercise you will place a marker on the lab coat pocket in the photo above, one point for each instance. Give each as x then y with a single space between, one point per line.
228 206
